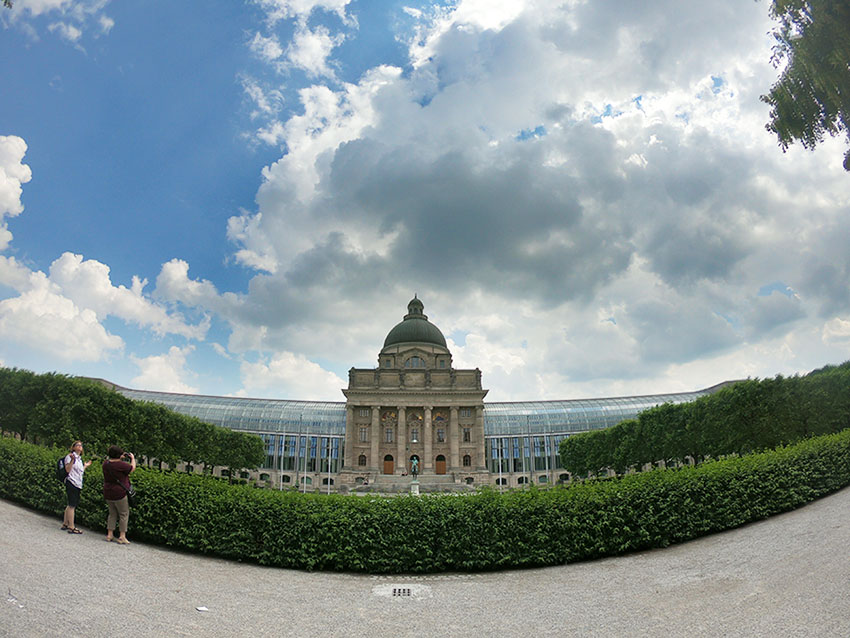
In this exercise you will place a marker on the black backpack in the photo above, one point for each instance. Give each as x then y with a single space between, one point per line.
61 474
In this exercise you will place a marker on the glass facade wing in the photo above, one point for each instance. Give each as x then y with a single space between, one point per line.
328 417
253 415
564 417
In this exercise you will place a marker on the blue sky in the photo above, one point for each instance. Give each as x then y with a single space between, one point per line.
243 200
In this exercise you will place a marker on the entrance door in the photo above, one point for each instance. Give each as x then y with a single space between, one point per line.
441 464
388 464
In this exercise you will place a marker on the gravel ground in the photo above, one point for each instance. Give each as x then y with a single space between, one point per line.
786 576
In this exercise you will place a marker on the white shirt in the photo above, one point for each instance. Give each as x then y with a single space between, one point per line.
77 469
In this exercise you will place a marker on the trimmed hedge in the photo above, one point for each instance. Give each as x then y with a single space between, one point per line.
748 416
470 532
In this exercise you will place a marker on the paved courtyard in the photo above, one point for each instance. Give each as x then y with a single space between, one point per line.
786 576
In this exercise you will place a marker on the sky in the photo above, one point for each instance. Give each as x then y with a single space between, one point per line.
242 199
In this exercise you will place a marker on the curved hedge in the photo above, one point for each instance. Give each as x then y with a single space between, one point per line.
483 531
748 416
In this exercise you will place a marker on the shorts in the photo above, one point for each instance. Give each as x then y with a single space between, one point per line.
73 493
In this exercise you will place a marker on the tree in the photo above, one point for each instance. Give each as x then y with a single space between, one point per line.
812 95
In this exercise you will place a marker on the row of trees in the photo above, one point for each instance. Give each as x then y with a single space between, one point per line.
748 416
55 409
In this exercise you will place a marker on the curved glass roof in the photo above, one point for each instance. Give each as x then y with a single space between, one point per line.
577 415
328 417
255 415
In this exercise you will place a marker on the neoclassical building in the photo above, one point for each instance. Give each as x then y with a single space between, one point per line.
414 404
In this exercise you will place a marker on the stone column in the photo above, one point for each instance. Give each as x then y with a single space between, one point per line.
351 435
374 439
401 454
454 440
480 462
428 438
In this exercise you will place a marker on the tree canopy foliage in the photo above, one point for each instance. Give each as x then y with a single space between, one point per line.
54 409
812 95
748 416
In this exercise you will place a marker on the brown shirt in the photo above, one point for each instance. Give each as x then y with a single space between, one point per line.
115 471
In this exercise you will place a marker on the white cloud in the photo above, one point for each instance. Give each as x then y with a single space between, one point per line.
48 322
88 284
69 19
106 23
13 173
164 372
301 9
582 170
289 374
66 31
837 331
37 7
267 49
310 50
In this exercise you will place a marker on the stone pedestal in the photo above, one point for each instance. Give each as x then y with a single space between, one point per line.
414 488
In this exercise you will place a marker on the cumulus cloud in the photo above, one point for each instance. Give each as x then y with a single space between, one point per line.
88 284
582 168
301 9
290 374
46 321
165 372
69 19
311 48
13 173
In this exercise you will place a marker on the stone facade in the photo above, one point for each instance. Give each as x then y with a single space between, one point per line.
414 404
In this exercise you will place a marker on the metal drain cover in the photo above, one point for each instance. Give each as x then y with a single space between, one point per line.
403 591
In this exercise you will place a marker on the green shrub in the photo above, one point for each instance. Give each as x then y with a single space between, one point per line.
745 417
469 532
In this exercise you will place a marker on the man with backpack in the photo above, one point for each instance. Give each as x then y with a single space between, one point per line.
74 468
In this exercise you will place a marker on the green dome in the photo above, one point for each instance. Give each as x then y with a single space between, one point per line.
415 328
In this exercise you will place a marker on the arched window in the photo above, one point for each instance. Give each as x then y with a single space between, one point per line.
470 480
361 460
308 480
285 478
415 362
563 478
522 480
225 473
467 460
543 479
244 475
327 481
502 481
264 477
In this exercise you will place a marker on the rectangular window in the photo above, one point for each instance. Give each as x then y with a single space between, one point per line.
466 412
364 412
467 435
364 435
442 363
388 435
441 435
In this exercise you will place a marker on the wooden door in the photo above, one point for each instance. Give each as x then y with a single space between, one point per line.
441 464
389 466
